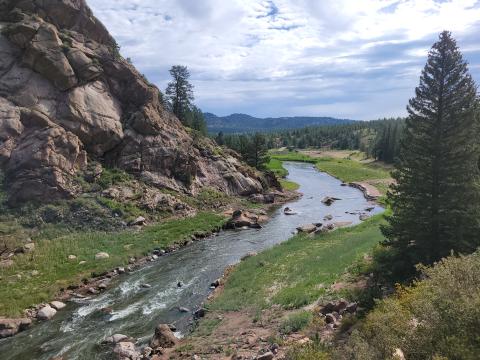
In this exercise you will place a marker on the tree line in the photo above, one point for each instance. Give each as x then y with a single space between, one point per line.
379 139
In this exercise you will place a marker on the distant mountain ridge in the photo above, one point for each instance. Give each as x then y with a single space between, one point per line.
243 123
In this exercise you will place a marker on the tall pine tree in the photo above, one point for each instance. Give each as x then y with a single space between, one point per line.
180 92
436 199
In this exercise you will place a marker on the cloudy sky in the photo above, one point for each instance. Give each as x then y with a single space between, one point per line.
357 59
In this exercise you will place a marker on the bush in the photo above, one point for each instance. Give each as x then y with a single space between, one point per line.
312 351
435 318
111 177
296 322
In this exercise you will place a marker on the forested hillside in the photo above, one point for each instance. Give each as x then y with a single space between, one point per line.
242 123
379 139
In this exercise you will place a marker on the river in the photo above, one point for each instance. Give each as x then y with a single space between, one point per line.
78 330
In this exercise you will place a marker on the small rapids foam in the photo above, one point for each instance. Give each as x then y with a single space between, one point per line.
120 314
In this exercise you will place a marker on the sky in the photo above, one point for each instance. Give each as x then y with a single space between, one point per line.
355 59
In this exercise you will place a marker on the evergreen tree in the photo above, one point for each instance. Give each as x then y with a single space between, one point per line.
436 199
220 139
196 120
180 93
258 152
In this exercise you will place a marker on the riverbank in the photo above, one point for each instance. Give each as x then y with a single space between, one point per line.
126 307
69 260
271 296
371 177
82 264
266 301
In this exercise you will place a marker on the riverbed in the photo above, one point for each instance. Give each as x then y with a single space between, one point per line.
78 330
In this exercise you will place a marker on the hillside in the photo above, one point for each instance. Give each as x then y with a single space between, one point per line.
68 100
242 123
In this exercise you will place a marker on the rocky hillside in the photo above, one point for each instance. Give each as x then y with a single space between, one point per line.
67 99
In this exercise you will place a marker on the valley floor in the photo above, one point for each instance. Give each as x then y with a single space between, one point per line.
268 299
270 302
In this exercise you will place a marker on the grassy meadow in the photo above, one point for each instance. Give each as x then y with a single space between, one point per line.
347 168
297 272
36 277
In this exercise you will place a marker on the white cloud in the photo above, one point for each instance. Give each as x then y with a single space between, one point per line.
282 56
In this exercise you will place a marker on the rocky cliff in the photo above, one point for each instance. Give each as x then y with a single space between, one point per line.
67 98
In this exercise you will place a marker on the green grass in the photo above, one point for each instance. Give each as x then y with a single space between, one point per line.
296 322
297 272
293 156
111 177
289 185
315 350
350 170
56 271
206 327
347 170
276 166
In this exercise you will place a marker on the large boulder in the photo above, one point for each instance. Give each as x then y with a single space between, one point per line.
46 313
163 337
126 350
10 327
241 218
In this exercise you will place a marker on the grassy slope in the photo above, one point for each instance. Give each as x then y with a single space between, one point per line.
56 271
346 169
295 273
276 166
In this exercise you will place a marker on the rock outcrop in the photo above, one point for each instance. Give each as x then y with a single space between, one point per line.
68 97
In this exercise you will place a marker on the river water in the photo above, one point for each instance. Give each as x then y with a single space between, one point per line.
77 331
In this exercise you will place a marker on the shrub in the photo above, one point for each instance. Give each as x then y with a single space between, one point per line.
435 318
111 177
312 351
296 322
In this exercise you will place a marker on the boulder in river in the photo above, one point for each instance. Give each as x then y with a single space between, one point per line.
11 327
163 337
241 218
57 305
46 313
308 228
288 211
363 217
328 200
199 313
216 283
328 217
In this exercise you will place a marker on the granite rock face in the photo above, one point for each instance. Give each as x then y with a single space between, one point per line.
67 97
